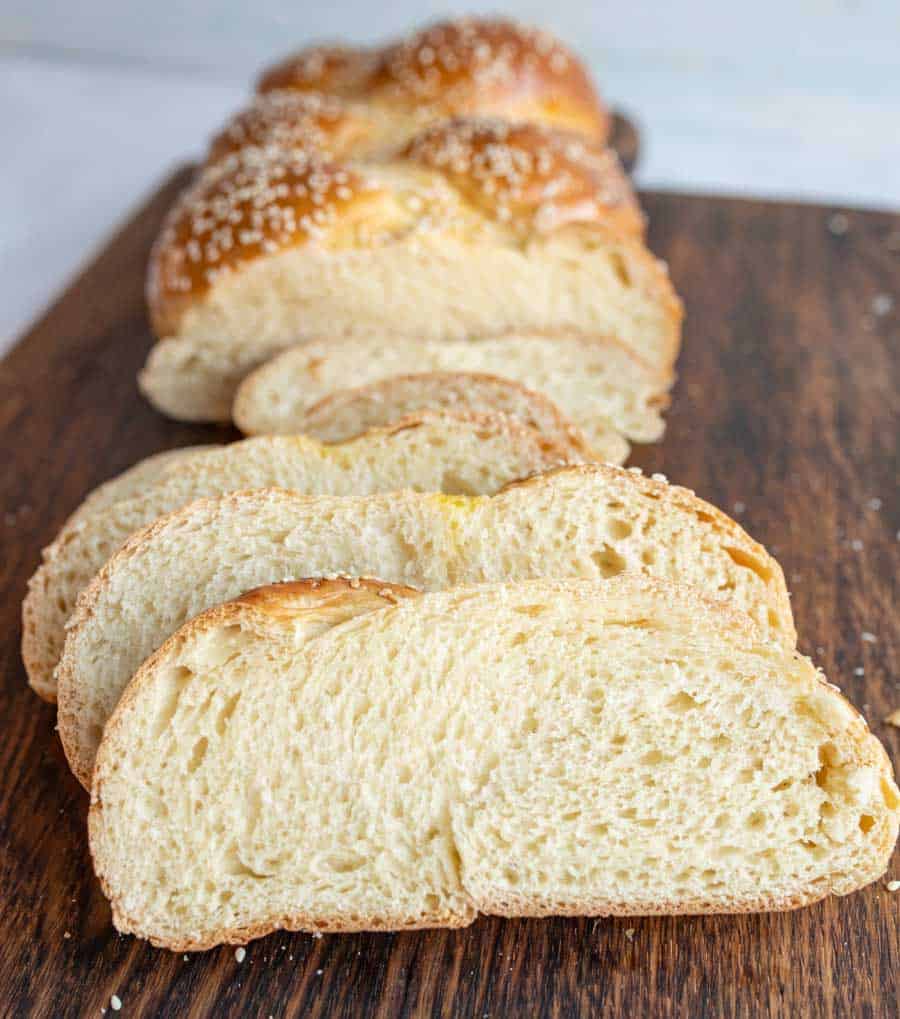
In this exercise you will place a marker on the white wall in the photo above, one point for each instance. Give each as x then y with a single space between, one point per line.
795 98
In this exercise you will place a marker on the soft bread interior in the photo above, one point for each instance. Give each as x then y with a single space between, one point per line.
529 749
432 286
456 453
346 412
588 521
597 383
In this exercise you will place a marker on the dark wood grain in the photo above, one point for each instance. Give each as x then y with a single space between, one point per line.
787 404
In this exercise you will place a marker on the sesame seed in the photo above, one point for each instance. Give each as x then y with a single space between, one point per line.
869 638
115 1003
859 671
240 954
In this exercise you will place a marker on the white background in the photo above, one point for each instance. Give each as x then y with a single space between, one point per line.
100 98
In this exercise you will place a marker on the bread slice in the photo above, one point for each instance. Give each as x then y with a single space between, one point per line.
355 758
474 228
135 480
596 383
590 521
455 453
346 412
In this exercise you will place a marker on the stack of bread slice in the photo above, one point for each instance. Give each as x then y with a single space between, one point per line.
442 204
413 652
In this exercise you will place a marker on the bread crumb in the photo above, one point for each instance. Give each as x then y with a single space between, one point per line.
859 671
629 933
874 504
869 638
316 934
739 508
240 954
319 972
66 934
838 224
882 304
115 1003
894 718
893 886
856 545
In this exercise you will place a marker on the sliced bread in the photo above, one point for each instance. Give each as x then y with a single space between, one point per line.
598 384
343 758
590 521
346 412
474 228
461 454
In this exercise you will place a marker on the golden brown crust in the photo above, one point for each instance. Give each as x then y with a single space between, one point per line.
292 120
339 70
530 175
472 65
250 204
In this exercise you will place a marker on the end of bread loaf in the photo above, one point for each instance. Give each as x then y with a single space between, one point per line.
526 749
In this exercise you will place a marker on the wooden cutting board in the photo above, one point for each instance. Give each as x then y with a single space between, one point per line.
786 414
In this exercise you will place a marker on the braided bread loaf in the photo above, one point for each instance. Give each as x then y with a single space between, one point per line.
365 194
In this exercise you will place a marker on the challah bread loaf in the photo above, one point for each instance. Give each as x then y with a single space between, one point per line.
458 454
590 521
347 412
481 66
597 383
348 756
475 228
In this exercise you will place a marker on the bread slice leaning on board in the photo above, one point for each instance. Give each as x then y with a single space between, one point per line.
372 759
475 228
456 453
598 384
588 521
269 398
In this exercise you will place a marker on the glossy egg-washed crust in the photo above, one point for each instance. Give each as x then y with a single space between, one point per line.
527 179
482 66
475 103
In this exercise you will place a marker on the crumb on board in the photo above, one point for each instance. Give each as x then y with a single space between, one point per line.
739 508
838 224
857 545
869 638
882 304
115 1003
893 886
240 953
629 933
